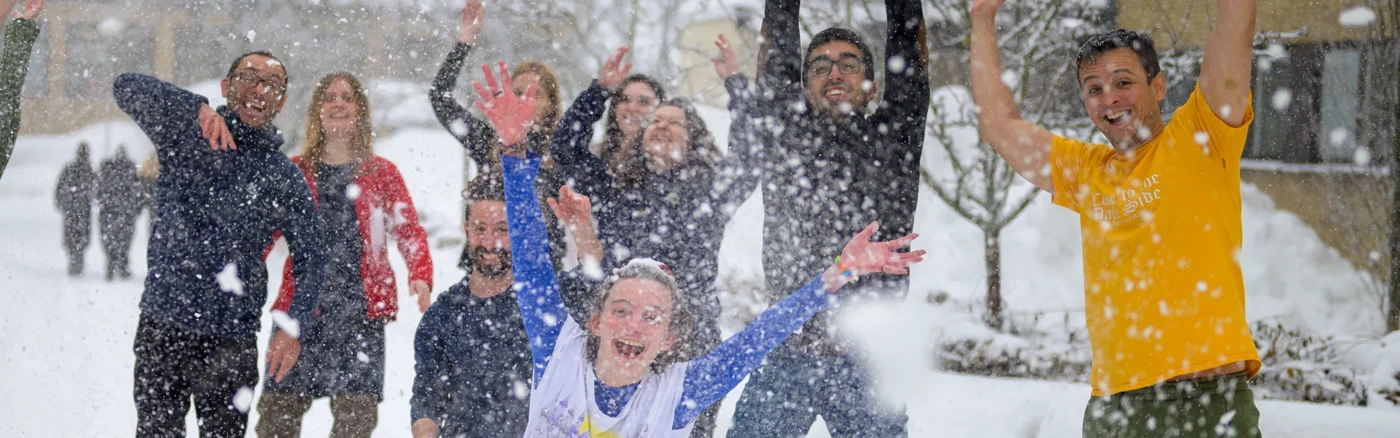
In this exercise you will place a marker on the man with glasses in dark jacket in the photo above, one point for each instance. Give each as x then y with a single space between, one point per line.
224 188
833 166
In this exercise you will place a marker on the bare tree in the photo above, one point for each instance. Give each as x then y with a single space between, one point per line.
1037 43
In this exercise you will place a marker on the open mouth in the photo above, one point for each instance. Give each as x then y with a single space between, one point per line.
836 93
628 349
1118 118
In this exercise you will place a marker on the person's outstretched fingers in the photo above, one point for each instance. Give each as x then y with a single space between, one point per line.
486 96
903 241
505 76
490 78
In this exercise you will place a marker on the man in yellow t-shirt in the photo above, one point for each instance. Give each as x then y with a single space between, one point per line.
1160 217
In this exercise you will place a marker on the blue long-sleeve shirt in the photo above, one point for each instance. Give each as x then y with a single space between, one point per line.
707 378
215 213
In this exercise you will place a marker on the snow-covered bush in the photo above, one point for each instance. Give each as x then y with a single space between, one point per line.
1050 345
1305 367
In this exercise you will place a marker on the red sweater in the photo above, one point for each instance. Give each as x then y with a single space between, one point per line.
383 208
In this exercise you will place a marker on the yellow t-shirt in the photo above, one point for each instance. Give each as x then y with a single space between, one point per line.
1163 293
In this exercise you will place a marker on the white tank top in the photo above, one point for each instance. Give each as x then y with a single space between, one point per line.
563 404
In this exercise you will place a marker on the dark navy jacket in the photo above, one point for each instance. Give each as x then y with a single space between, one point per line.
472 360
215 212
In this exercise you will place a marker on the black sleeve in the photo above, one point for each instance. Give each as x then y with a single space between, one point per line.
904 109
475 134
738 174
569 144
781 68
163 111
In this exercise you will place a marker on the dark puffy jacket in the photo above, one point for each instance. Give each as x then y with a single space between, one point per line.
215 213
677 217
118 189
472 360
76 184
825 181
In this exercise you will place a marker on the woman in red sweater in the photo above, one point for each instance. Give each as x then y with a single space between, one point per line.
363 203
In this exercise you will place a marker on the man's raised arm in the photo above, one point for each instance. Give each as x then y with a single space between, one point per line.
1024 145
1225 71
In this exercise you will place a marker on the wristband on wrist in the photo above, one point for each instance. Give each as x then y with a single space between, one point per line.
845 271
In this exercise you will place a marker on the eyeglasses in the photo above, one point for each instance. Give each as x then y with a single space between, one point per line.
248 79
848 65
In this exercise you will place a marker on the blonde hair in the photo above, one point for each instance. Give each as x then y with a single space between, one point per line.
361 143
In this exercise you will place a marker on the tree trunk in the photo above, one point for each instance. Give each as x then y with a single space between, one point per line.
993 317
1392 314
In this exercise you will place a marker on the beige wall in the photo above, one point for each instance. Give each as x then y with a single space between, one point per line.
54 110
1188 22
1348 211
698 46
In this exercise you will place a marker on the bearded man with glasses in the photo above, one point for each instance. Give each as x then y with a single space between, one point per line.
224 188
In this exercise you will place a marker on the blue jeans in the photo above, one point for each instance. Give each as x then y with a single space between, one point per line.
787 392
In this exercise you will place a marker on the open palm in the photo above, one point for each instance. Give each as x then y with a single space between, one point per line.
511 115
861 256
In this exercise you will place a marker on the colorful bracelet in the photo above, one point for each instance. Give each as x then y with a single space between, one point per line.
845 271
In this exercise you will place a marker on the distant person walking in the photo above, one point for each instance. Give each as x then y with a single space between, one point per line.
73 196
119 199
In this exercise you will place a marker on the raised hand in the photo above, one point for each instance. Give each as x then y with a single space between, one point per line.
726 64
471 22
511 115
614 71
573 209
986 9
861 256
212 126
31 10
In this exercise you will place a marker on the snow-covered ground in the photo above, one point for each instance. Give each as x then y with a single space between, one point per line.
67 357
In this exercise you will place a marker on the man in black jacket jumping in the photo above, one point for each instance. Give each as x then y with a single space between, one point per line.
224 188
832 167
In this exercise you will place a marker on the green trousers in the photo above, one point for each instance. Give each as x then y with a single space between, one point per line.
1221 406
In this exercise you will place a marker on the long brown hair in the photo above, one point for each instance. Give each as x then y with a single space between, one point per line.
361 143
616 150
701 153
549 89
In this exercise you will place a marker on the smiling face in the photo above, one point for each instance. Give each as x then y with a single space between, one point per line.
635 103
835 75
633 327
339 112
1120 99
666 140
256 90
488 239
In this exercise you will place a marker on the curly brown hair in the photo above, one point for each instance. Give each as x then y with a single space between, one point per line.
703 152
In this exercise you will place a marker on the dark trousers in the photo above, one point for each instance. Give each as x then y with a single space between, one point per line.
77 233
174 365
117 229
280 414
787 392
1221 406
